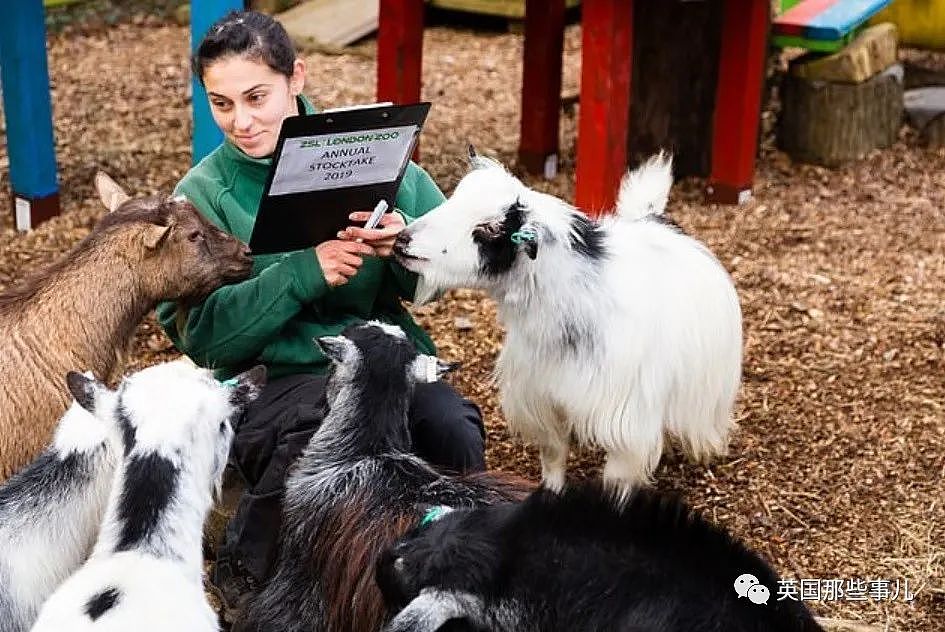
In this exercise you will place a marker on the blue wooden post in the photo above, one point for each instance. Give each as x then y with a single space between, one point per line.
26 104
203 13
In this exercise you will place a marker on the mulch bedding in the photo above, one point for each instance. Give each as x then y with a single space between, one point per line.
836 469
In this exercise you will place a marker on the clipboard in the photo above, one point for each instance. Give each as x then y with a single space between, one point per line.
327 165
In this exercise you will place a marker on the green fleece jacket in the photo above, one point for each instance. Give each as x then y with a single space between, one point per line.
273 317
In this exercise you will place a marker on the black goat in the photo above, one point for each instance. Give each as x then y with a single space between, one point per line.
575 562
356 489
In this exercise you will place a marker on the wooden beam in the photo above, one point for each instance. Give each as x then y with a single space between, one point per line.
24 72
605 102
541 86
207 136
738 100
400 51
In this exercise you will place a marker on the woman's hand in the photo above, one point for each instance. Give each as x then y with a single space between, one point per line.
340 260
382 238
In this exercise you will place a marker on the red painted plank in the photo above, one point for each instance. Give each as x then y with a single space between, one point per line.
400 51
607 29
541 86
738 99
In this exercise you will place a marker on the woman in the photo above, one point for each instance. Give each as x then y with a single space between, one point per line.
254 81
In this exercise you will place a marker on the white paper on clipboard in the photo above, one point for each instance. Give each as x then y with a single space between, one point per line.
339 160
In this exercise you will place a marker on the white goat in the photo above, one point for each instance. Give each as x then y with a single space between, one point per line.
145 572
618 331
51 511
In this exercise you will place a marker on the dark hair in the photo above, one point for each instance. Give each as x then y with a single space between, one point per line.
250 34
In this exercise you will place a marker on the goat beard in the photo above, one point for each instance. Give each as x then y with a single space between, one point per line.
426 291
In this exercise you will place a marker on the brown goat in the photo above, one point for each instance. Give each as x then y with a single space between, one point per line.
80 313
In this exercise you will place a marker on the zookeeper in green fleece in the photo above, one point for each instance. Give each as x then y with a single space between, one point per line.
254 81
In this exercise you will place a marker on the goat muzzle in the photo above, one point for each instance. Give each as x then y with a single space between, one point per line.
402 242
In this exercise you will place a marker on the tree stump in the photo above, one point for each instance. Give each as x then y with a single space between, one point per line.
829 123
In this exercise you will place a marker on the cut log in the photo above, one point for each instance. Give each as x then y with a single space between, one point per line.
873 51
829 123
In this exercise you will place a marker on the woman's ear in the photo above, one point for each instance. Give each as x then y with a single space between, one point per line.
297 80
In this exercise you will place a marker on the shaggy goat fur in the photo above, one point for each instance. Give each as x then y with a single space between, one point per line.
356 489
575 562
145 572
618 331
50 512
82 311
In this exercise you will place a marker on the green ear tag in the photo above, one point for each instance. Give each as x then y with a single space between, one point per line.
232 382
521 236
435 513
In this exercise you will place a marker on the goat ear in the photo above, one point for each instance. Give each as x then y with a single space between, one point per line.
249 385
335 348
472 155
109 192
477 161
83 388
154 235
431 609
427 369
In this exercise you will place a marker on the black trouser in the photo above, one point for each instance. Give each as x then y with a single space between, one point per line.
445 429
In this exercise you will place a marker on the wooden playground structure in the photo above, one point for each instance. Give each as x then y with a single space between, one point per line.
605 96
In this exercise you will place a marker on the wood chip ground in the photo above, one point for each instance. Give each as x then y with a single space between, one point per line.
836 470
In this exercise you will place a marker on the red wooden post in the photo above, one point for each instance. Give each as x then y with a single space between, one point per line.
541 86
738 100
400 52
605 102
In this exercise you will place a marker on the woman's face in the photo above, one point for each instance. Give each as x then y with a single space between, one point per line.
249 101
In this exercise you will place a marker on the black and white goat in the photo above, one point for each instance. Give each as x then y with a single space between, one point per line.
618 331
51 511
356 489
145 572
576 562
